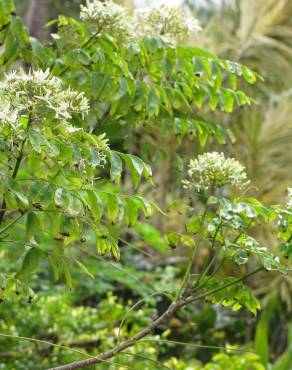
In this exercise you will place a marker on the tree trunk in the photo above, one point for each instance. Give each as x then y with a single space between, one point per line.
38 14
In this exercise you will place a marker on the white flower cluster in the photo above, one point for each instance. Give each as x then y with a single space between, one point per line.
168 22
289 203
36 94
213 170
108 17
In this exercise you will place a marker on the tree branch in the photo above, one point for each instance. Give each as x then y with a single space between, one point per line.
128 343
175 306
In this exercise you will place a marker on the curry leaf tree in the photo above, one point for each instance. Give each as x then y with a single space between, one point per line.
68 182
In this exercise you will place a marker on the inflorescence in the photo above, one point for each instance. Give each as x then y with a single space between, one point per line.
168 22
213 170
108 17
37 94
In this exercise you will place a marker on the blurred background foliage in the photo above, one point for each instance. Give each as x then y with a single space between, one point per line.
257 33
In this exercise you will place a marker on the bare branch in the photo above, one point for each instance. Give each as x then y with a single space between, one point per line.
175 306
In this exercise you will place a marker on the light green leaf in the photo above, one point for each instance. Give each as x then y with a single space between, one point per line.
67 274
83 268
116 166
74 206
15 251
61 197
112 207
30 263
32 225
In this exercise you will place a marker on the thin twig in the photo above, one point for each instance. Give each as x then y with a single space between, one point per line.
148 359
175 342
175 306
58 346
193 256
136 305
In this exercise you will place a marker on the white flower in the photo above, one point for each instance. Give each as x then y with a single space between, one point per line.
108 17
7 114
289 203
213 170
37 94
168 22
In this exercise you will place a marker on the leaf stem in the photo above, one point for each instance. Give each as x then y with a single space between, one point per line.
218 289
12 222
14 174
193 256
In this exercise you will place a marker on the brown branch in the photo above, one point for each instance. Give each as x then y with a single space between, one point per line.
128 343
175 306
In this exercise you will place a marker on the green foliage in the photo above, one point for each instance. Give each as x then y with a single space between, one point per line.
78 134
261 336
147 81
236 295
246 361
51 319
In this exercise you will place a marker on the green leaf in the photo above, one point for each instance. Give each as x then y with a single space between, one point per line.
116 166
136 162
20 32
232 81
137 167
147 173
147 207
122 90
172 239
45 55
93 201
261 334
114 248
74 206
32 225
248 75
112 207
83 268
132 211
15 251
36 140
30 263
153 43
152 235
284 361
23 201
241 257
45 196
193 225
226 100
11 49
153 103
11 201
61 197
54 262
7 8
234 295
76 57
67 274
103 245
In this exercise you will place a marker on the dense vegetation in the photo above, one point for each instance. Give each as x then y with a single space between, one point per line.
128 239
